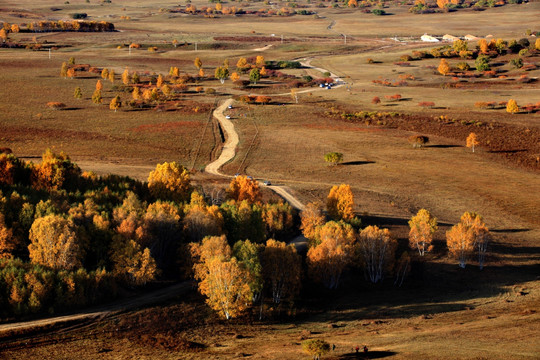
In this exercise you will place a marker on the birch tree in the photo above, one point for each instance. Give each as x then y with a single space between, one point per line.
376 247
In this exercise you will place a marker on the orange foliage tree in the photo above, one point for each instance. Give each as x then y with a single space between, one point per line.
376 247
54 243
131 262
278 219
7 241
56 171
328 259
480 234
312 218
443 68
472 141
422 227
340 203
244 188
282 268
221 279
460 242
170 181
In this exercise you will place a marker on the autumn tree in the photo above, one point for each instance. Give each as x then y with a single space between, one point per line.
77 94
244 188
444 68
243 220
422 227
263 72
71 73
54 243
460 45
312 218
170 181
132 263
7 240
340 203
480 234
136 93
328 259
135 78
3 35
241 64
472 141
221 73
482 63
483 46
201 220
105 74
115 103
537 44
96 97
259 61
512 106
249 258
64 69
126 79
198 63
315 348
376 248
201 73
278 219
159 81
294 95
55 172
99 85
281 267
112 76
221 279
235 77
460 242
333 158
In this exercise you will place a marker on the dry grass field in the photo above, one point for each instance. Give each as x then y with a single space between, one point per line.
441 312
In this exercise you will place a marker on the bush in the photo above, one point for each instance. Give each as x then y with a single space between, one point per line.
378 12
418 141
79 16
56 105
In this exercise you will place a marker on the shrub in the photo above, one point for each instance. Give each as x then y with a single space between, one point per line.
378 12
56 105
418 141
79 16
426 104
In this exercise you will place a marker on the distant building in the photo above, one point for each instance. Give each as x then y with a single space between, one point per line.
428 38
470 37
450 38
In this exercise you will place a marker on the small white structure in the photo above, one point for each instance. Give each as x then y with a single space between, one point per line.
428 38
470 37
450 38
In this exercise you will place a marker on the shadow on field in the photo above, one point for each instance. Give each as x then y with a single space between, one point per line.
443 146
368 355
349 163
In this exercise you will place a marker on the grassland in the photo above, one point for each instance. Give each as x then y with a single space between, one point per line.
445 313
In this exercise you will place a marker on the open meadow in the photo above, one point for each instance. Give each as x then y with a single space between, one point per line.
330 77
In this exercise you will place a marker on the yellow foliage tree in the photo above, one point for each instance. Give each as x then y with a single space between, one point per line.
328 259
244 188
105 73
159 82
221 279
263 71
259 61
340 203
512 107
170 181
115 103
54 243
63 70
56 171
126 79
480 234
99 85
312 218
444 68
422 227
133 263
460 242
241 64
136 93
198 63
282 268
483 45
71 73
7 241
442 3
112 76
201 220
376 247
472 141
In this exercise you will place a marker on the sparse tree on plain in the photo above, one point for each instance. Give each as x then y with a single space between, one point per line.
460 242
221 73
198 63
77 94
115 103
316 348
422 227
444 68
112 76
105 74
472 141
333 158
96 97
512 106
126 79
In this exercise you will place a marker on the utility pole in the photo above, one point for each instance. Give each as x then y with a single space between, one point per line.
282 38
195 46
345 35
49 53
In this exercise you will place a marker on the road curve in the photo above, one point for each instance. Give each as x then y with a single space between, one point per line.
231 140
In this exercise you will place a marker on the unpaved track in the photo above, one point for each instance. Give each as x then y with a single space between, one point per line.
102 311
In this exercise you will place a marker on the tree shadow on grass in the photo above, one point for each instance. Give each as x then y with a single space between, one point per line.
368 355
349 163
443 146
